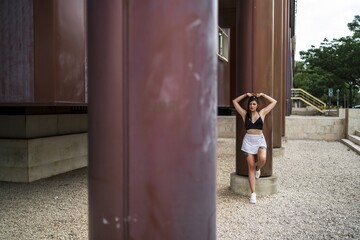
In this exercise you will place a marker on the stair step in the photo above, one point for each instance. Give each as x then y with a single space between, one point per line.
351 145
355 139
357 133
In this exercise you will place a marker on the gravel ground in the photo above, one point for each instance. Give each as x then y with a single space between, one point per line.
318 198
53 208
318 195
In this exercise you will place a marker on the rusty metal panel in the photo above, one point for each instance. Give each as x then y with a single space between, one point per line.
70 50
44 78
278 115
287 84
60 51
233 52
223 84
16 51
287 60
227 19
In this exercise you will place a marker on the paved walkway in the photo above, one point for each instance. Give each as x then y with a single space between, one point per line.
318 198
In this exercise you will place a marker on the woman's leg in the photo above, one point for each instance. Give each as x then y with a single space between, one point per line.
251 166
261 158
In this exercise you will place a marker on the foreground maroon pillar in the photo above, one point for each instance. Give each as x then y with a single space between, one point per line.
152 119
255 59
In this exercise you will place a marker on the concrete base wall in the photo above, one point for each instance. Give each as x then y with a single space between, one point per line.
39 146
305 111
315 128
34 126
304 127
28 160
353 123
33 147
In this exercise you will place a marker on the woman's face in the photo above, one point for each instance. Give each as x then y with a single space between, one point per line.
253 106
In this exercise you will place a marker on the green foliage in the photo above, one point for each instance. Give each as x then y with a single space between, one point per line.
335 64
311 81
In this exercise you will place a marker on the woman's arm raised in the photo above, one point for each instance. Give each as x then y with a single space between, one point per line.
237 106
269 107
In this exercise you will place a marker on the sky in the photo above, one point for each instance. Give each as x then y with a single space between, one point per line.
319 19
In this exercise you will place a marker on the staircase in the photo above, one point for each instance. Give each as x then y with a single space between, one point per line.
353 141
300 94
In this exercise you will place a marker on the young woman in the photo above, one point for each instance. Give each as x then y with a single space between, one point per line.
254 141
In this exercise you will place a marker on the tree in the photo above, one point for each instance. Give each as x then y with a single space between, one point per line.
312 81
337 62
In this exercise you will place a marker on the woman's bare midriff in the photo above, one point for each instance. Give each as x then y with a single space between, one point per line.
254 131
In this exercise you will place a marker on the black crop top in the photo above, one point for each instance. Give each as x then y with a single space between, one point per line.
258 124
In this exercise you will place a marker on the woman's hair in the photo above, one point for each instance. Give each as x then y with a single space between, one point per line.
252 98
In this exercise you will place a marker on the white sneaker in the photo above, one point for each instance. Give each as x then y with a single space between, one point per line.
257 173
253 198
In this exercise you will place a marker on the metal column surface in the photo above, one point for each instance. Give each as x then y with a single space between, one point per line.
227 19
279 118
152 119
108 121
255 62
287 59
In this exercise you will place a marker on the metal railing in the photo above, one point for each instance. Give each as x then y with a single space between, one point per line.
300 94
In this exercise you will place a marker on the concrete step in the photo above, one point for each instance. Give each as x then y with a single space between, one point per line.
357 133
351 145
355 139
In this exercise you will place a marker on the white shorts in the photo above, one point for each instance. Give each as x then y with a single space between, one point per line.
252 143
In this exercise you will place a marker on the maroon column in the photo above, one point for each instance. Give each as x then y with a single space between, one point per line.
287 59
152 116
255 68
279 118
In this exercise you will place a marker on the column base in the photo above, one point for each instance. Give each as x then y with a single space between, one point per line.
264 186
278 152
